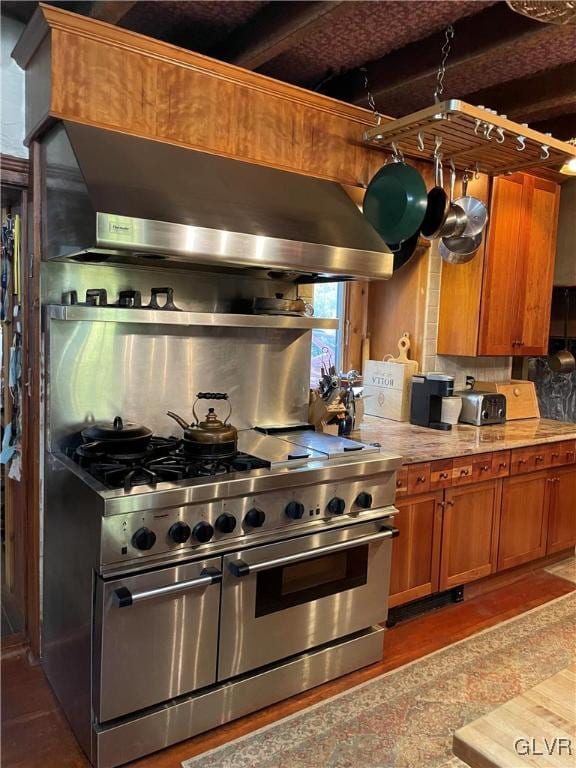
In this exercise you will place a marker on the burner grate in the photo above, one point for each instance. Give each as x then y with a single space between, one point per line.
164 460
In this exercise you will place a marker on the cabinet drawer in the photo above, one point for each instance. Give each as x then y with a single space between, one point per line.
419 478
463 470
530 459
501 464
441 474
402 481
482 467
562 453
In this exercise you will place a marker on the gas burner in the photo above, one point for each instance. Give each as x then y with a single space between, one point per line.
164 460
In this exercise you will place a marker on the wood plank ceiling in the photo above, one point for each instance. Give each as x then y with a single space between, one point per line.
523 68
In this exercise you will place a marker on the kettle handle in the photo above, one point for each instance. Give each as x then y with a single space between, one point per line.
212 396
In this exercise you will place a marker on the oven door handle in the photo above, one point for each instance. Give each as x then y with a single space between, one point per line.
240 568
123 597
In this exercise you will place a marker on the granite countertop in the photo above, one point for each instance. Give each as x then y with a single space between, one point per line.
417 444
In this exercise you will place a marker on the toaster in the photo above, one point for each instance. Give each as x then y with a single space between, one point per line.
480 408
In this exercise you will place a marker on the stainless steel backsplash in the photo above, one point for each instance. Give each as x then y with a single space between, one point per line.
97 370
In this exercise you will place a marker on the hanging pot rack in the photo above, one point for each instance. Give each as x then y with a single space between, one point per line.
473 137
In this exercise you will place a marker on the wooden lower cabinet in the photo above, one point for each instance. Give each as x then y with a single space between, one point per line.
562 511
469 533
416 551
524 519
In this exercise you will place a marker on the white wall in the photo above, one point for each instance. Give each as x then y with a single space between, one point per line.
12 92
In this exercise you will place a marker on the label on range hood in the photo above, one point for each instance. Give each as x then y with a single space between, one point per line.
120 225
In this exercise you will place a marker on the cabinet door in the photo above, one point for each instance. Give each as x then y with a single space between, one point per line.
562 517
524 520
536 265
416 551
469 533
499 320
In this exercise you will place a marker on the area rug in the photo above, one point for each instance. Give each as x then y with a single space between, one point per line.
566 569
406 717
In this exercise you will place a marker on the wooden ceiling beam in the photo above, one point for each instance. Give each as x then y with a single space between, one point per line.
562 127
110 11
476 37
553 88
278 27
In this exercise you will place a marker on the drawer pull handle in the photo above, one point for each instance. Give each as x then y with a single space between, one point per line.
464 472
539 458
421 479
450 502
555 455
443 475
485 468
521 461
570 455
398 483
503 465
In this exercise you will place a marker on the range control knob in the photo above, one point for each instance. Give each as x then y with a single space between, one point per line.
225 523
485 414
364 500
255 517
294 510
179 532
336 506
203 532
144 538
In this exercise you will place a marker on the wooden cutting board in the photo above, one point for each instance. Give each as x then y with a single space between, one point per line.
537 728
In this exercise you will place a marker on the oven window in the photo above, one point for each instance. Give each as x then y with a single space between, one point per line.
290 585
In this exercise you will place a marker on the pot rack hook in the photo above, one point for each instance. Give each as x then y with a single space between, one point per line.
437 146
544 152
477 171
521 143
452 166
477 125
397 152
370 96
500 135
448 37
489 130
420 139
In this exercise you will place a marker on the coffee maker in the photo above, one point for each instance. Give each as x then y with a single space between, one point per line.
428 389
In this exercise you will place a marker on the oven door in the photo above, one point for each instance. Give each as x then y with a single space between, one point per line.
156 636
286 598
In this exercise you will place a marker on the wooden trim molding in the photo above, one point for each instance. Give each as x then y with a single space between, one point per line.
14 170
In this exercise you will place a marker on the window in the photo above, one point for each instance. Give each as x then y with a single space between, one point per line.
328 301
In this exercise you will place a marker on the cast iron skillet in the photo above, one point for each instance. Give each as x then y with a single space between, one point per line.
403 252
395 202
438 204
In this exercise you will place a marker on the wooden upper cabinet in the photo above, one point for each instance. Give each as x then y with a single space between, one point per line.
536 264
506 290
499 314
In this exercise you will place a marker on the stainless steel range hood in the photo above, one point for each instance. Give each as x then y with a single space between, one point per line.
114 197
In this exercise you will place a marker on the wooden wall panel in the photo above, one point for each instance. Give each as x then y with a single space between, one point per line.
103 85
461 293
112 78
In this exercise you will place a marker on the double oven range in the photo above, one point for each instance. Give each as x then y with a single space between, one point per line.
173 606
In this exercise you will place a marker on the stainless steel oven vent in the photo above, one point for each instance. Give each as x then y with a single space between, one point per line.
114 197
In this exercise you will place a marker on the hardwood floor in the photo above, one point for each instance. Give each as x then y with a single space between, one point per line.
36 735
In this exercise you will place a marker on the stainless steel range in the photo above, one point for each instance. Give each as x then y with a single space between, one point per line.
181 591
175 606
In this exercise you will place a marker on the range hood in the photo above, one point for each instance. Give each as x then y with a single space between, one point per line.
114 197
